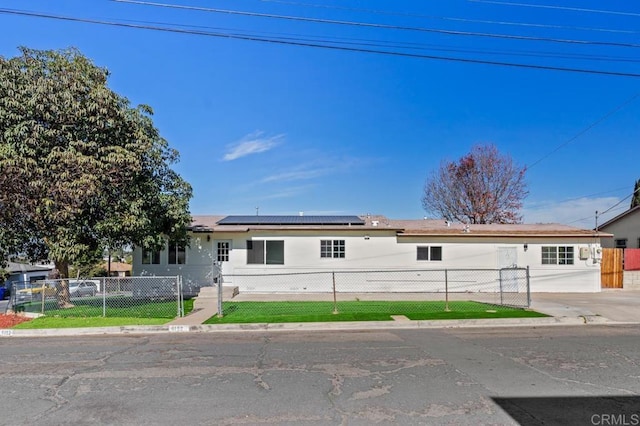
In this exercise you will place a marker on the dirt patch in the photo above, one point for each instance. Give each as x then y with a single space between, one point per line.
9 320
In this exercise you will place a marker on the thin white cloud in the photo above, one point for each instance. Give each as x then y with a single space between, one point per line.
288 192
580 212
297 175
315 170
252 143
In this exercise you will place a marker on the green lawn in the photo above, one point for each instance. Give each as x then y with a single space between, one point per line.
79 322
278 312
88 313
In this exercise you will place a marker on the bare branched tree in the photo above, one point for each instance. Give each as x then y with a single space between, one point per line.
484 186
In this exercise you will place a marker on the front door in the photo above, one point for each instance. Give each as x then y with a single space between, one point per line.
222 254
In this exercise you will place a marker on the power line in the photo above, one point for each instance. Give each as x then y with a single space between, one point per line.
316 45
448 18
588 128
542 6
406 45
379 26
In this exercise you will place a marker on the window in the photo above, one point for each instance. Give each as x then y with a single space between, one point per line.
222 253
562 255
332 249
621 243
433 253
150 257
260 252
177 254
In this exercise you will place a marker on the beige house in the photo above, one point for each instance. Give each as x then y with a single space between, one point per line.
625 229
560 258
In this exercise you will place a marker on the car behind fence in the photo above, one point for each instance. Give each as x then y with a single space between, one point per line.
136 297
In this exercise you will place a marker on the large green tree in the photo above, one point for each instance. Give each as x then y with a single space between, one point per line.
80 168
484 186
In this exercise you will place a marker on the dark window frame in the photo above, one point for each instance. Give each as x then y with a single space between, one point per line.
177 254
265 252
150 257
429 253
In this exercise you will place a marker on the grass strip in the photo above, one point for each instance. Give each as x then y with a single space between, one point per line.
86 315
71 322
280 312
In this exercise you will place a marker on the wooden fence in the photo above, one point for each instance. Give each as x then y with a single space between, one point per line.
611 271
632 259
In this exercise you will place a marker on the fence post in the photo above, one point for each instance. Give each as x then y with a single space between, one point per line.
179 314
528 288
446 291
42 296
500 281
219 279
335 303
104 296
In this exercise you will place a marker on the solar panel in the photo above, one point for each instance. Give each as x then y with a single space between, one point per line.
291 220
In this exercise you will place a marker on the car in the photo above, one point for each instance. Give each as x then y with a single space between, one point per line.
34 291
82 288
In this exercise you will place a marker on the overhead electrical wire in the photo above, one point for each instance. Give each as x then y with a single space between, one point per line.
448 18
555 7
587 129
317 45
406 45
379 26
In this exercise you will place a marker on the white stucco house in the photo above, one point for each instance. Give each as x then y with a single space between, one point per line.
560 258
623 230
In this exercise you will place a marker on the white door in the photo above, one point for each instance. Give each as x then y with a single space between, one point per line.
222 254
508 258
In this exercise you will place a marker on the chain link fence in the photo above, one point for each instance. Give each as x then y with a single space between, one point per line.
404 291
134 297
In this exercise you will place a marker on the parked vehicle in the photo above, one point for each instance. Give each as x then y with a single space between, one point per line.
82 288
34 292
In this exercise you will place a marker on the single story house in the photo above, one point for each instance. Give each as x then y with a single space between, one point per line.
623 230
560 258
117 269
26 272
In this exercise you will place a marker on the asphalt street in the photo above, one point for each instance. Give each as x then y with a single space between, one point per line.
459 376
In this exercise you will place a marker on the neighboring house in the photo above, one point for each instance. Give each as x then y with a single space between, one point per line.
118 269
561 258
625 230
25 272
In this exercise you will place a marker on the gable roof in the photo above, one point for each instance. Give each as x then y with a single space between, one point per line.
118 267
620 216
410 227
15 268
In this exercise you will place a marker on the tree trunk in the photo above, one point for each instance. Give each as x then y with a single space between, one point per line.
62 285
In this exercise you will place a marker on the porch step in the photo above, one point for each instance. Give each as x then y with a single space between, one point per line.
228 292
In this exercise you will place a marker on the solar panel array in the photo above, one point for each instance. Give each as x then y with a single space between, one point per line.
291 220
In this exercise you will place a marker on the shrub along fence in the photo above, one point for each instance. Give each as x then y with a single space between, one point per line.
136 297
409 290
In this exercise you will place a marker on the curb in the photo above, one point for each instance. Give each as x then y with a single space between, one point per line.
344 326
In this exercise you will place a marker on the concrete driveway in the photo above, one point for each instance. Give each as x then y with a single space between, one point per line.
614 304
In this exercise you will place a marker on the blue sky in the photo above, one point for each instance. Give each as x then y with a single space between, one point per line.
289 128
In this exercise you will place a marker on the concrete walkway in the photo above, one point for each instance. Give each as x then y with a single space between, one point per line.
613 304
